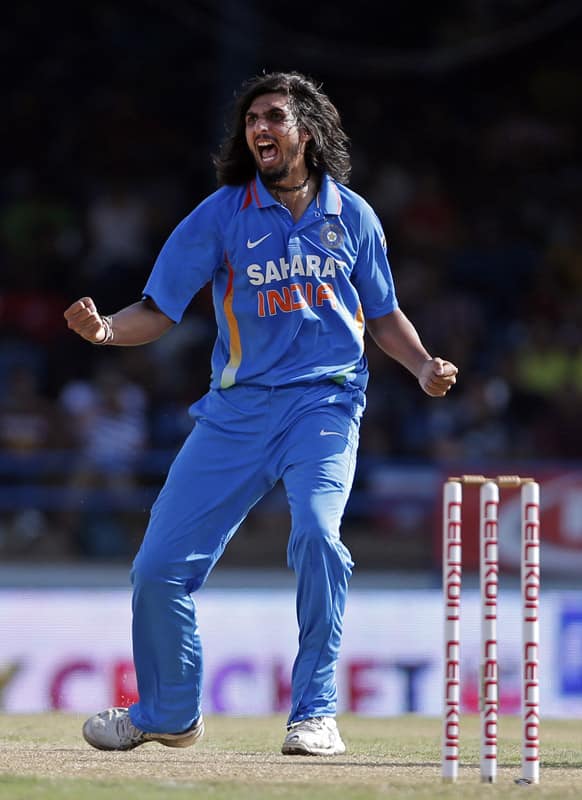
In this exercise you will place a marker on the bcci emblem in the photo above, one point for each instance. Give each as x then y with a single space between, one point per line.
331 236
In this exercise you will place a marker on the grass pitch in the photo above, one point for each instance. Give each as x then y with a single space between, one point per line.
44 756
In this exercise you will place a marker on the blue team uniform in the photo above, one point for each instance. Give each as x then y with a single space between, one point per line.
285 401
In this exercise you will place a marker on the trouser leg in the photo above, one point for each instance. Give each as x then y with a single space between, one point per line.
318 481
210 488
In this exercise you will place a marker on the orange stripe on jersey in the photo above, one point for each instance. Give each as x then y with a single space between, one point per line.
229 373
248 198
359 317
255 193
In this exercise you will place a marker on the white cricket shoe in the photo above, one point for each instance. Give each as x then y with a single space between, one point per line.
316 736
113 730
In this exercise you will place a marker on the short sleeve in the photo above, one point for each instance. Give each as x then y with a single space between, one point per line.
186 262
372 275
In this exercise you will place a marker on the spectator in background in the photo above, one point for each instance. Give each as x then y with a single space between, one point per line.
30 425
29 422
108 420
108 417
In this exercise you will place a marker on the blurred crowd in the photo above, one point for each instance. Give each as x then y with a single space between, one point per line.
478 186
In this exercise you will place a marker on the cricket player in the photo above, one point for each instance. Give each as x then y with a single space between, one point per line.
299 270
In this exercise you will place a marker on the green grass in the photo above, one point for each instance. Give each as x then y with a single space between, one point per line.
44 756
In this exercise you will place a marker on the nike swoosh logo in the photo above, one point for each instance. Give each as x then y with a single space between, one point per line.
323 432
250 244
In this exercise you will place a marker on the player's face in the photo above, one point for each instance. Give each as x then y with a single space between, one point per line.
275 138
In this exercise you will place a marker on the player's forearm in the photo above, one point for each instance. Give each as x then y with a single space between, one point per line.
137 324
396 336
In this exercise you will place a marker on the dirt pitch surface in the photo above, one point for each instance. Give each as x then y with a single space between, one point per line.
45 756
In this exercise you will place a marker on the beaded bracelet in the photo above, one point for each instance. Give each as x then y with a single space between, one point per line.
107 323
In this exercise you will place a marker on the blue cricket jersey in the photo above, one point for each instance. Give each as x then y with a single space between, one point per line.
290 297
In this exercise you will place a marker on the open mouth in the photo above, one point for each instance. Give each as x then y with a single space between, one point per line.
267 151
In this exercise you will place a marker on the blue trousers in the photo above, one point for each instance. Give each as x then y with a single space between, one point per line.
244 440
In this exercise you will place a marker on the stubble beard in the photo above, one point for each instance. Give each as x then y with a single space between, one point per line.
273 177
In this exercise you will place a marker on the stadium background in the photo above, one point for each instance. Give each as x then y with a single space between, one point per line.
465 123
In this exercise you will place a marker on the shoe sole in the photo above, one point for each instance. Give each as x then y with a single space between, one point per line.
178 740
297 750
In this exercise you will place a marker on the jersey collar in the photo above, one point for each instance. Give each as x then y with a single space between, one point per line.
328 198
260 194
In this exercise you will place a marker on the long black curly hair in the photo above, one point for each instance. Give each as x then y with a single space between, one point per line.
326 151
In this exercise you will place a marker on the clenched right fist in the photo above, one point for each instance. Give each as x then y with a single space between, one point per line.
83 318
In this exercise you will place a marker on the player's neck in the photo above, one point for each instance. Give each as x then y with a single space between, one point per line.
295 196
